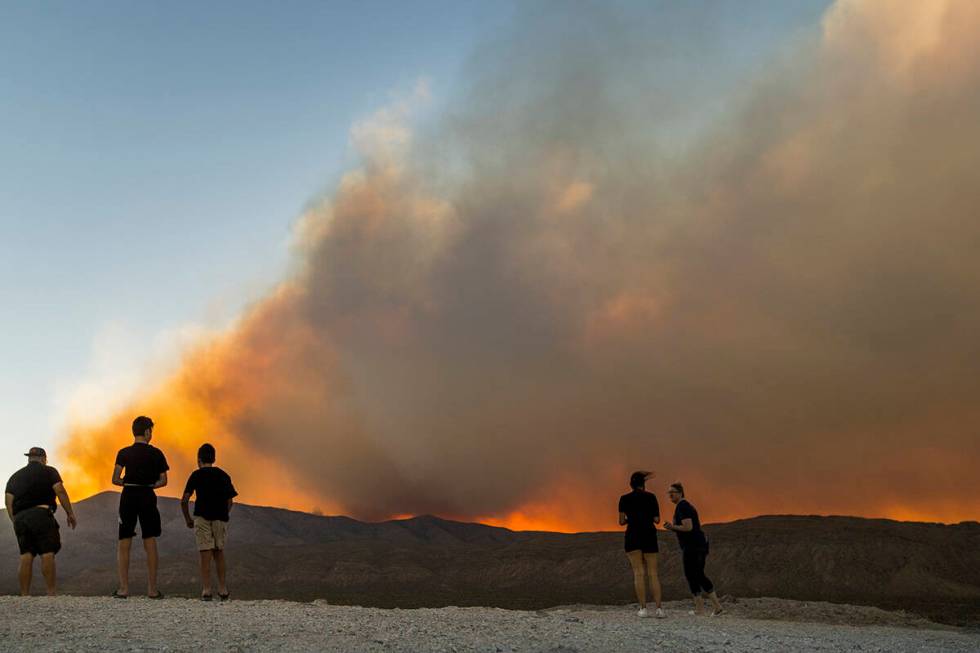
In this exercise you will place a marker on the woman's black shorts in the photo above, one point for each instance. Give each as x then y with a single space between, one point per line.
645 541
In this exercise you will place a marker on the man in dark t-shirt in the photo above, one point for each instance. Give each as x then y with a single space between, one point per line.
694 538
215 495
694 549
30 498
140 469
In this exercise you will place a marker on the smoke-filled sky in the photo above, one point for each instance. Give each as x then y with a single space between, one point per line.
613 244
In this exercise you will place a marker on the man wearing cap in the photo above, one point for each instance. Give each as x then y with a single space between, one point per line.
145 469
30 499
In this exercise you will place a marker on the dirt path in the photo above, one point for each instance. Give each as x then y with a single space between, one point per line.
138 624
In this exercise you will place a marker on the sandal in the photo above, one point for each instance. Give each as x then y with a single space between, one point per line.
224 597
158 595
206 597
117 595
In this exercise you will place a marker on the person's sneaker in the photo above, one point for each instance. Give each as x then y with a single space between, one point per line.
660 613
643 613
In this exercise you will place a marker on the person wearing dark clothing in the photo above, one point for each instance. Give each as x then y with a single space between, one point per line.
30 499
639 511
694 549
215 496
140 469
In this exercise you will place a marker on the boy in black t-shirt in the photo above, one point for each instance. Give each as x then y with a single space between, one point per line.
140 469
215 496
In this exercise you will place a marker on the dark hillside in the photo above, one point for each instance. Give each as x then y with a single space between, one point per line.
932 569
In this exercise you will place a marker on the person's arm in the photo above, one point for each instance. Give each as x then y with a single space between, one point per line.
232 493
189 488
622 518
162 481
117 471
185 507
62 494
685 526
10 505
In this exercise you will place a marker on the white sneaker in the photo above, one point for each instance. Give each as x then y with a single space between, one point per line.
660 613
643 613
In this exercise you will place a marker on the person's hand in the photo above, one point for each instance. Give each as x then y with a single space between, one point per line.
72 521
668 526
190 523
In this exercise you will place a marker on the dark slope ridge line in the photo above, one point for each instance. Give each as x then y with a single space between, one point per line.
427 561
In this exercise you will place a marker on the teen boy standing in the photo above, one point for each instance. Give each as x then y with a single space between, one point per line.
215 495
140 469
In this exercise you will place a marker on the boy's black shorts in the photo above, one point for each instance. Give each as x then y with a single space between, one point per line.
37 531
138 504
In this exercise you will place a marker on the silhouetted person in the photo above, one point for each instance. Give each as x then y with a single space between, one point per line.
215 496
639 511
145 470
30 499
694 549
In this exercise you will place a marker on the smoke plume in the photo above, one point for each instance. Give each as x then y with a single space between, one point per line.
565 276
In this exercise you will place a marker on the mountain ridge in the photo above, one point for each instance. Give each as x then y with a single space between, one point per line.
429 561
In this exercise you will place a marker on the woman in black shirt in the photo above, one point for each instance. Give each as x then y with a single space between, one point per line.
694 549
640 512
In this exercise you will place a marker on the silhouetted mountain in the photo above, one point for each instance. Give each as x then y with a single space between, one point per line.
932 569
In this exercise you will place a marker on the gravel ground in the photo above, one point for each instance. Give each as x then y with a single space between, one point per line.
70 623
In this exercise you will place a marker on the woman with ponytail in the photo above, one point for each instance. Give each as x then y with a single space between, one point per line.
639 511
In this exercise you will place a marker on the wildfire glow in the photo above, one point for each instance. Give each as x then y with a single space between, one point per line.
784 318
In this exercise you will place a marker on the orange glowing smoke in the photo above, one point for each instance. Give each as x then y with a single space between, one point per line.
784 318
201 403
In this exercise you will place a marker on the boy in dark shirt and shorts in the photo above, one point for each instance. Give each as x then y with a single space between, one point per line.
145 471
215 496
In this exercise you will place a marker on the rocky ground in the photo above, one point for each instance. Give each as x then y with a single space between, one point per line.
70 623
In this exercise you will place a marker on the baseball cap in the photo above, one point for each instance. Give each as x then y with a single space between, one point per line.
36 452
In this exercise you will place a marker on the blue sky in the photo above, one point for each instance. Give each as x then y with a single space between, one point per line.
153 157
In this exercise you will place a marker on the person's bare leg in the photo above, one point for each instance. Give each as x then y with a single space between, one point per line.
48 569
122 559
651 564
219 564
639 577
24 572
715 603
152 560
205 572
